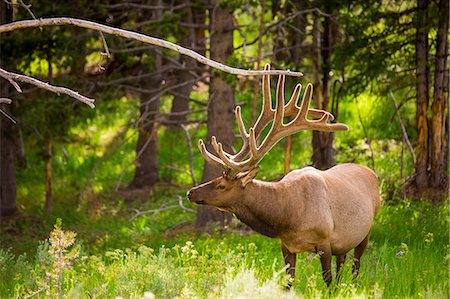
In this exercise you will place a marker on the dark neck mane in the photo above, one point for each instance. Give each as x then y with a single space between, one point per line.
255 212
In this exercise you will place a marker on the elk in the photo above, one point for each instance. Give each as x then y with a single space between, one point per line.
326 212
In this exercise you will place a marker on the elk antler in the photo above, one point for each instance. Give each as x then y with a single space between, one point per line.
234 164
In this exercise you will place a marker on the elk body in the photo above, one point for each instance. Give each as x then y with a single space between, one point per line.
327 212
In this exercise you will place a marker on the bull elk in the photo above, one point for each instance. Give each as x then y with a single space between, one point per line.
326 212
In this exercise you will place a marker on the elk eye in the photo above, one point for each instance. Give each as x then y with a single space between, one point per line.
220 187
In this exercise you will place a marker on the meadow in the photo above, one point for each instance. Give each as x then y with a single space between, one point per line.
94 246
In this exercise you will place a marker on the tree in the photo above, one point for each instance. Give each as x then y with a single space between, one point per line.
439 128
422 95
220 106
7 137
146 162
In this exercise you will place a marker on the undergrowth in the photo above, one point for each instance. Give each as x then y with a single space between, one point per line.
407 257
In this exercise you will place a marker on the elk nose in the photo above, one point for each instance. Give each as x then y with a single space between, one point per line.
188 194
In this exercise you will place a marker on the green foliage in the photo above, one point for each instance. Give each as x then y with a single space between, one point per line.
407 257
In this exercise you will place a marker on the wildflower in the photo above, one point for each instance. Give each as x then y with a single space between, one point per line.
149 295
429 237
399 254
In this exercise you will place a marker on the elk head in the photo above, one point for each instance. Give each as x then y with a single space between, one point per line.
241 168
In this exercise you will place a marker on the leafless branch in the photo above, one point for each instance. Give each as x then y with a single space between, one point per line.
5 101
191 154
143 38
8 116
405 134
141 151
164 208
12 77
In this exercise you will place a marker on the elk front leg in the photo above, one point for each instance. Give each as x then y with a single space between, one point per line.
289 259
359 250
324 251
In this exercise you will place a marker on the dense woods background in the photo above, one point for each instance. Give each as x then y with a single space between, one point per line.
379 66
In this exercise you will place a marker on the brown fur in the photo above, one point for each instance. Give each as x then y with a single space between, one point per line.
328 212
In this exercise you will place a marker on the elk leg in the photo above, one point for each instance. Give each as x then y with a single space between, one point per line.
289 259
325 258
359 250
340 260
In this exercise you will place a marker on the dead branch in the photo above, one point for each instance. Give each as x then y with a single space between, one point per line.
5 101
164 208
13 77
405 134
143 38
191 154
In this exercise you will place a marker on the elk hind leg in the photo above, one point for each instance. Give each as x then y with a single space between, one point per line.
359 250
290 260
340 260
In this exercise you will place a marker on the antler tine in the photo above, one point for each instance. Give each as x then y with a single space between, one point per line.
291 107
267 111
210 158
319 124
224 156
263 119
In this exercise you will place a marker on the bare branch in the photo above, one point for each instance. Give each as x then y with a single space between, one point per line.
191 154
405 134
143 38
27 7
163 208
8 116
5 101
12 77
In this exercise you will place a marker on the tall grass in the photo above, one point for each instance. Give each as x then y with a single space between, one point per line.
408 257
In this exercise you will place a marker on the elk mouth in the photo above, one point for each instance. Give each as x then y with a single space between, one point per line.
200 202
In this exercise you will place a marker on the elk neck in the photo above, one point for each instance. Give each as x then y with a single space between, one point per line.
262 208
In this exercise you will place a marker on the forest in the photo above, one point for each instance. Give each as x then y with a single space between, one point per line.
103 104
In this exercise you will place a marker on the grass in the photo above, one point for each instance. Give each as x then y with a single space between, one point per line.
408 257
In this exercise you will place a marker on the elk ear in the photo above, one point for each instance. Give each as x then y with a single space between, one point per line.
248 176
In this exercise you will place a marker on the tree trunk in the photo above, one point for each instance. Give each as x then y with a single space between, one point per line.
440 98
180 104
146 163
421 181
146 171
220 106
48 177
323 152
8 205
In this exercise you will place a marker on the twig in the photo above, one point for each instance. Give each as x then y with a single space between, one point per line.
8 116
180 204
405 134
27 7
191 154
143 38
369 143
5 101
37 292
12 77
164 208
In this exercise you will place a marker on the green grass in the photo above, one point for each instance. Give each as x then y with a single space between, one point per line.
121 257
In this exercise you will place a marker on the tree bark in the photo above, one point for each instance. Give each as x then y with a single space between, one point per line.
181 94
421 180
323 152
439 136
221 105
8 205
146 164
